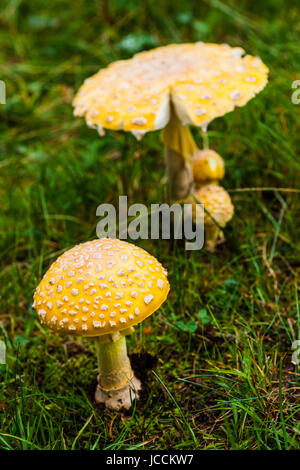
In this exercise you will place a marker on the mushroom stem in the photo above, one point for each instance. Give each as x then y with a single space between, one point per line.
205 140
179 175
179 149
212 234
113 363
117 385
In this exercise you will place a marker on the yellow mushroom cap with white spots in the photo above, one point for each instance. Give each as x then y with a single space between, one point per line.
217 202
207 165
203 81
100 287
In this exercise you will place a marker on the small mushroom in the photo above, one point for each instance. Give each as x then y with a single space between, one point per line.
218 211
208 167
170 88
101 289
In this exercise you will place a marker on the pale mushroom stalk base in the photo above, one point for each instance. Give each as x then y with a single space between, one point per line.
117 386
179 175
179 149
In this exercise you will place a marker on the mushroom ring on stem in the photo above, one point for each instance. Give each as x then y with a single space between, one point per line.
101 289
170 88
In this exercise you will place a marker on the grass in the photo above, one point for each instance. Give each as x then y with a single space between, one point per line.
223 377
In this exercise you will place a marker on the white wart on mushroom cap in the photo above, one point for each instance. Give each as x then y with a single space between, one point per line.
100 287
203 81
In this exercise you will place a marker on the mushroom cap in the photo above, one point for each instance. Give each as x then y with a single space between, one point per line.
207 165
217 202
203 81
100 287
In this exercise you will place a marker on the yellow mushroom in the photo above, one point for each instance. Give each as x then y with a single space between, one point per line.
170 88
218 211
102 289
208 167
